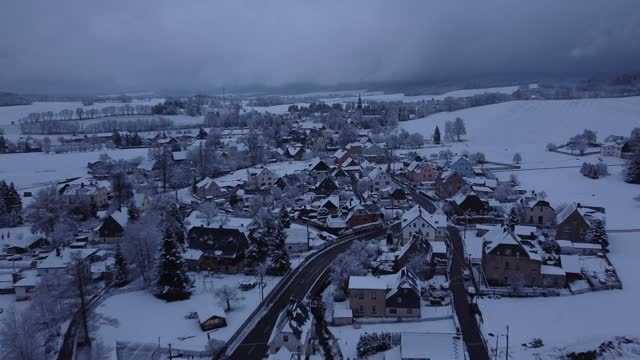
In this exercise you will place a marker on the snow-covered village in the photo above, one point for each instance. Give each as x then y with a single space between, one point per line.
233 197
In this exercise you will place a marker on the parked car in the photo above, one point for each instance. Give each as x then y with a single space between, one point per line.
471 291
466 275
248 284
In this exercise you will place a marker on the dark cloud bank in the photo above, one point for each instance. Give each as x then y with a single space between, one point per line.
99 46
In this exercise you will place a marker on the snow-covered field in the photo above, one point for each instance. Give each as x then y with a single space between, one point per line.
15 113
576 322
36 169
402 97
140 317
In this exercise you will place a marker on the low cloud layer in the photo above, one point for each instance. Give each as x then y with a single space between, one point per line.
77 46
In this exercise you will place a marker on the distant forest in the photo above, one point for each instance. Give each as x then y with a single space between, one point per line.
11 99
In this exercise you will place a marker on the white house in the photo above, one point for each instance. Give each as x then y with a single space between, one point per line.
417 219
59 260
261 177
379 180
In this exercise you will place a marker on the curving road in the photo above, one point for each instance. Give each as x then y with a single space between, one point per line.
254 344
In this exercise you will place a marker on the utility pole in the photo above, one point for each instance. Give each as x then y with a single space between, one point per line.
497 338
506 356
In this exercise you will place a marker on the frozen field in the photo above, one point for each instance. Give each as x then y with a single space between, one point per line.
28 170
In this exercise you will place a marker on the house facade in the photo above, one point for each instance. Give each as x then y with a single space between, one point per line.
379 180
293 330
261 177
462 166
417 220
395 295
362 215
207 187
89 193
539 213
223 249
571 224
449 184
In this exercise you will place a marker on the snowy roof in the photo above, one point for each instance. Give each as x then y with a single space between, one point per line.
54 261
551 270
438 247
196 218
282 354
336 223
192 254
339 153
30 279
570 264
501 235
20 236
435 220
432 346
461 196
375 173
179 155
525 230
564 214
384 282
81 189
121 216
206 182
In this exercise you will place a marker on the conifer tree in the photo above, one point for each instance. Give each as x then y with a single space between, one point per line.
512 219
285 221
597 233
280 263
133 212
633 169
122 269
436 136
172 282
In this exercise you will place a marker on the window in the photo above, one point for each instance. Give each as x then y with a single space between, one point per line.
361 308
361 296
399 300
415 225
373 309
539 220
393 311
506 264
373 296
507 252
285 338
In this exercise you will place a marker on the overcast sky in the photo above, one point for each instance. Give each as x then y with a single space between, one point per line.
123 45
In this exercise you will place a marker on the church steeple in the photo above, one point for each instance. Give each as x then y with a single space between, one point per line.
359 106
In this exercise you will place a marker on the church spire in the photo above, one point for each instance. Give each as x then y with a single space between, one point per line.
359 106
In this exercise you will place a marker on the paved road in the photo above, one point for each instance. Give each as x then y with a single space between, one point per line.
254 345
420 199
468 324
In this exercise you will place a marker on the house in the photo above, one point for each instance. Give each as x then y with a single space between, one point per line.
293 330
91 193
289 181
374 153
429 346
572 224
526 232
578 248
294 151
354 148
259 177
615 145
379 180
207 187
319 166
449 183
340 174
211 317
363 215
398 197
144 169
462 166
325 187
142 201
223 248
20 240
112 227
506 261
179 156
419 171
418 220
394 295
340 156
171 143
538 212
58 261
26 283
331 204
469 203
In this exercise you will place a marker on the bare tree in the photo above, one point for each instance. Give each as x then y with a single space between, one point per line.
209 212
228 294
17 338
142 240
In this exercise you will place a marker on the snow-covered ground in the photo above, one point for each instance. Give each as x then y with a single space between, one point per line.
348 335
28 170
578 322
280 168
140 317
15 113
404 98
